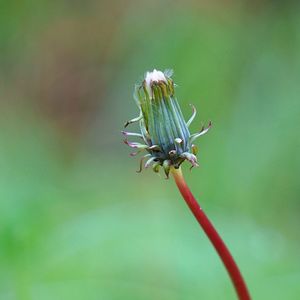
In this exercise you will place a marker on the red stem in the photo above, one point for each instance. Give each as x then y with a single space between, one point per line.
212 234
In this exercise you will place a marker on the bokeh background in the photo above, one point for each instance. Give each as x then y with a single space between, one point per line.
76 220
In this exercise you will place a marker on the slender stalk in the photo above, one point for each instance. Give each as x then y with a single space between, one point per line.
212 234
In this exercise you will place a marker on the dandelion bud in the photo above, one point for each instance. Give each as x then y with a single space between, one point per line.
164 131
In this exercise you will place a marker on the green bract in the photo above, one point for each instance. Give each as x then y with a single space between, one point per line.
165 133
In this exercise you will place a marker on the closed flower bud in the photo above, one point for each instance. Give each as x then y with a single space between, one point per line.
164 131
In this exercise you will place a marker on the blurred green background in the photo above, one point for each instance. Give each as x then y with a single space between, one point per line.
76 220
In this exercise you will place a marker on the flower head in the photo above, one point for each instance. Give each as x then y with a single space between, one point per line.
152 77
165 133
